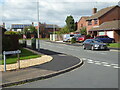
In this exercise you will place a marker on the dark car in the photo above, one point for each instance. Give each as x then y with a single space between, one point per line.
105 39
94 44
82 38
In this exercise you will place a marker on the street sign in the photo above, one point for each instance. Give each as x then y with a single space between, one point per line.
11 52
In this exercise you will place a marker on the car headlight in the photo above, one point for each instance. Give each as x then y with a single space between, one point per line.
96 45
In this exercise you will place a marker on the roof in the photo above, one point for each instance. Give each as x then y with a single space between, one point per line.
111 25
51 26
101 12
85 17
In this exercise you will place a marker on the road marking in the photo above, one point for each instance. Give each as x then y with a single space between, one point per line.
89 62
98 63
114 64
116 67
106 64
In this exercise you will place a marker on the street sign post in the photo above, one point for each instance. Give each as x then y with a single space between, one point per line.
11 52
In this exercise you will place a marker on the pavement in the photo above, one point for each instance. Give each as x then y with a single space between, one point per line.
60 64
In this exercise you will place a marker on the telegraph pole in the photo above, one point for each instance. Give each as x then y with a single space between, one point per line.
38 25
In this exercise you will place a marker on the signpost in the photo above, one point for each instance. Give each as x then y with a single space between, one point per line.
11 52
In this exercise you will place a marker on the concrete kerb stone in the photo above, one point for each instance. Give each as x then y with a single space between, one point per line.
44 77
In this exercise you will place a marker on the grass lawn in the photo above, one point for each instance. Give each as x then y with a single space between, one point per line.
114 45
25 54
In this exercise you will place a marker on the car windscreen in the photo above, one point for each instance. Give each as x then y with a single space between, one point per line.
98 41
71 35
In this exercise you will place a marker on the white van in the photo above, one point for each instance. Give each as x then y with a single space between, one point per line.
67 37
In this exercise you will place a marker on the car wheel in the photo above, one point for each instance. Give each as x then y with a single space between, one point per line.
113 41
84 47
92 48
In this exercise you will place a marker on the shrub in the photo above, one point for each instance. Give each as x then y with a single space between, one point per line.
33 43
11 33
10 42
73 40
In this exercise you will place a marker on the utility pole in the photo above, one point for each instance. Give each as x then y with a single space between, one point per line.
38 25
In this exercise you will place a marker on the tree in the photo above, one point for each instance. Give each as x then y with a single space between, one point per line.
32 30
70 23
83 31
63 30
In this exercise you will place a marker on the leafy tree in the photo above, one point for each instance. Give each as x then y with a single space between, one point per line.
63 30
70 23
83 31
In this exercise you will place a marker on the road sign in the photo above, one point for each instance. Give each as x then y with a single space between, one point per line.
11 52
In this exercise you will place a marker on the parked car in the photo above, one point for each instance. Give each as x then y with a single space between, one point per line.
67 37
105 39
76 36
82 38
94 44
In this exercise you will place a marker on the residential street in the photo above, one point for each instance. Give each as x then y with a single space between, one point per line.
100 69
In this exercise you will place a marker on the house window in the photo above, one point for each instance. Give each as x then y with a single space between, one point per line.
95 22
81 25
89 22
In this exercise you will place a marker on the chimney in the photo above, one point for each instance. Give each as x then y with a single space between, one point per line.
94 10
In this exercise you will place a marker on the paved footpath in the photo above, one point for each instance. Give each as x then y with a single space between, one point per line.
60 64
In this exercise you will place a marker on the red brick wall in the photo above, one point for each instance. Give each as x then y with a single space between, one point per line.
117 36
81 21
91 26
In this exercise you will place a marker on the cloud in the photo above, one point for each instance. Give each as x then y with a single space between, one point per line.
51 11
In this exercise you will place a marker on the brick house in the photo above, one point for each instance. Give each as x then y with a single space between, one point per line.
47 29
81 23
104 17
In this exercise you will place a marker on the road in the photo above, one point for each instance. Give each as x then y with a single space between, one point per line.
100 69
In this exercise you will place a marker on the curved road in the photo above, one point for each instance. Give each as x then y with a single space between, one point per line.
100 69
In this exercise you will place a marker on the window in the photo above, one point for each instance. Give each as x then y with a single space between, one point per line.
95 22
90 22
81 25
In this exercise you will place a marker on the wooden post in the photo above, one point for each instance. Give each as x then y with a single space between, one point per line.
18 61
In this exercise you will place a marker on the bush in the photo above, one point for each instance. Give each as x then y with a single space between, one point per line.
73 40
10 42
33 43
11 33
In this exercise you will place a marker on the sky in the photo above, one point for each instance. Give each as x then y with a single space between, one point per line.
50 11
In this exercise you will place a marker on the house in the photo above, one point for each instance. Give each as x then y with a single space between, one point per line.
110 28
100 22
81 23
47 29
19 27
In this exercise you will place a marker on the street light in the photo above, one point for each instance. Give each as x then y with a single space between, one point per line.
38 25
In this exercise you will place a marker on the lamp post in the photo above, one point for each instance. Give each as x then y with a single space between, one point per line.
38 25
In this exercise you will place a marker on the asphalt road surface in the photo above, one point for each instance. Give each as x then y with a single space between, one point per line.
100 69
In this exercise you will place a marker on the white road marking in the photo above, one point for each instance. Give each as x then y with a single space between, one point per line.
98 63
114 64
107 65
90 61
116 67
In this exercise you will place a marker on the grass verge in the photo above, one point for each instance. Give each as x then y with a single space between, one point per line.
114 45
25 54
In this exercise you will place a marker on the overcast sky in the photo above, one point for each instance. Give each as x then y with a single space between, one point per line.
51 11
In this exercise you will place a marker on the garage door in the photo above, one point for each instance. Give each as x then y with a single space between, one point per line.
110 34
